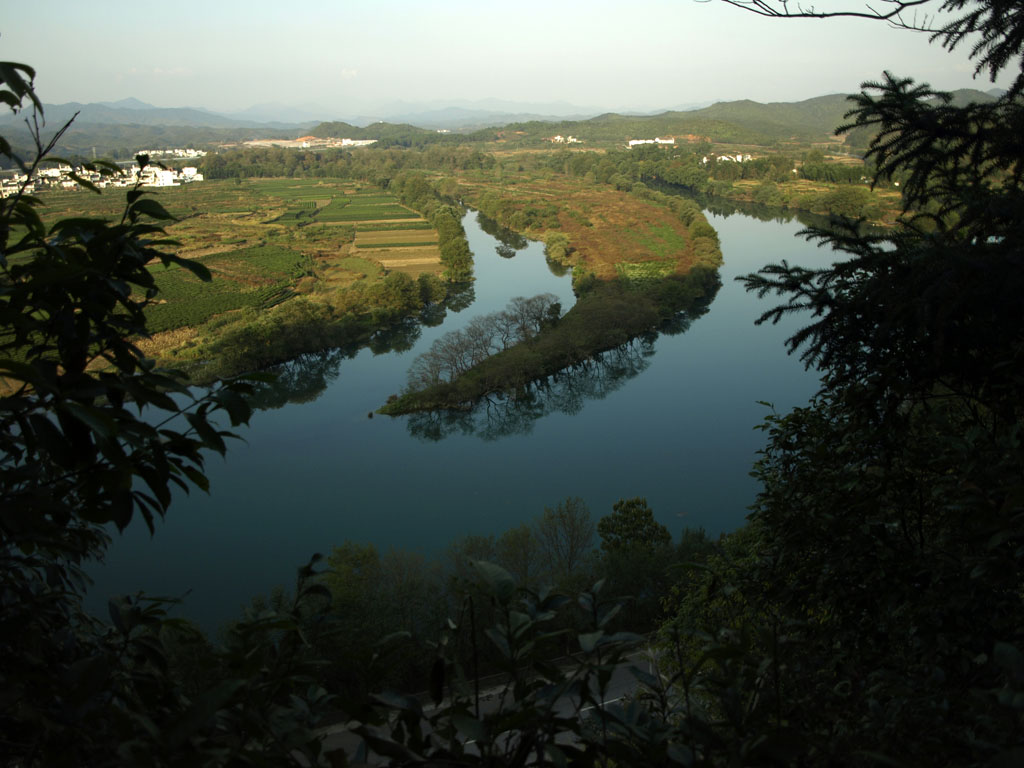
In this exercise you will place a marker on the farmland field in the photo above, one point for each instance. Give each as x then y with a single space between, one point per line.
268 240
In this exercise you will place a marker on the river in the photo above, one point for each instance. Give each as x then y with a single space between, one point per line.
672 420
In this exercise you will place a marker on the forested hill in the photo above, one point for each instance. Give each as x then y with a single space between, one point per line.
742 122
807 119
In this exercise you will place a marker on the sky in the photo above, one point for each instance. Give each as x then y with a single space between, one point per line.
345 57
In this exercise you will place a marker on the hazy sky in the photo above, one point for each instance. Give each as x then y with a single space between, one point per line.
348 56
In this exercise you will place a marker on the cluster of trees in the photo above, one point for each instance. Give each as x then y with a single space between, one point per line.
376 164
456 352
399 135
851 201
516 214
815 168
635 169
398 599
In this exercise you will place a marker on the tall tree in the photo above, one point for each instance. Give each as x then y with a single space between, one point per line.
631 525
565 535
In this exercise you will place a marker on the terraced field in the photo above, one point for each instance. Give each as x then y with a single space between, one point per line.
387 234
400 245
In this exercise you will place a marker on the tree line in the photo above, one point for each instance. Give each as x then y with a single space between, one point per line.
392 602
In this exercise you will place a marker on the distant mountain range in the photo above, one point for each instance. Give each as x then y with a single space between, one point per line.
120 127
459 115
135 112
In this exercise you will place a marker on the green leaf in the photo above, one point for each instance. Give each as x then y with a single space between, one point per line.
499 641
196 268
52 440
207 434
399 701
147 206
94 418
198 478
499 582
17 370
202 711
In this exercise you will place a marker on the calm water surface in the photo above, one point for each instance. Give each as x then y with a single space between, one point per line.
674 422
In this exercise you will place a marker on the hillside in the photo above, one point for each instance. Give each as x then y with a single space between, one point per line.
809 119
117 129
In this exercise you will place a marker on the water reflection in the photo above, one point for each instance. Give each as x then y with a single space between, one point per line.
725 208
503 415
460 296
398 337
567 391
508 241
304 378
301 380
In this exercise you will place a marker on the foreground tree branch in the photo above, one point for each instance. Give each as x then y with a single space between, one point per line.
891 11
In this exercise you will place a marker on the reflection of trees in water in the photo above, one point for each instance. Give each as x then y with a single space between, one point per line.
398 337
460 296
699 306
509 241
301 380
433 315
567 391
725 208
304 378
556 268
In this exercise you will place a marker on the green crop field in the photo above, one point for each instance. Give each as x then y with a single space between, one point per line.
660 240
381 226
334 211
374 199
645 270
372 213
249 277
